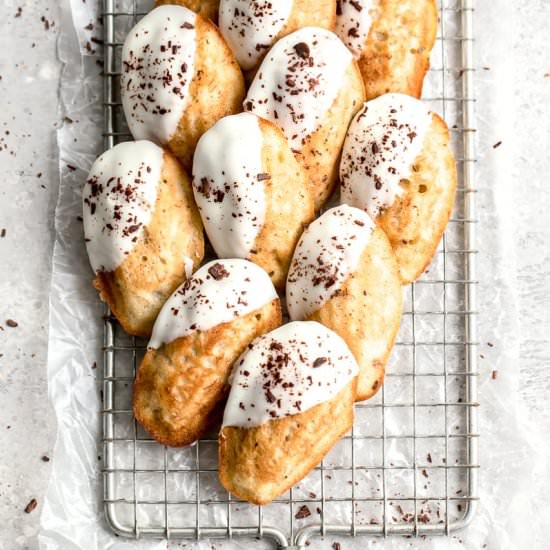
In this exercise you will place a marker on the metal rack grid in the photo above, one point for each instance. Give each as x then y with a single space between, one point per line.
410 464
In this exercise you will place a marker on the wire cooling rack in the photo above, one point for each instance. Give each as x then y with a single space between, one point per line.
410 465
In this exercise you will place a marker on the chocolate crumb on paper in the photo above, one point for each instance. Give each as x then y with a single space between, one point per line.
497 144
31 506
45 458
47 24
11 323
303 512
494 375
336 546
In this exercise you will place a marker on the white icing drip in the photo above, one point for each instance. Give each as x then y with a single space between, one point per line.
327 253
298 82
118 201
157 68
251 26
228 184
188 266
286 372
381 145
353 23
217 293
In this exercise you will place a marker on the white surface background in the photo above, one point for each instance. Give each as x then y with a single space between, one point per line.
516 96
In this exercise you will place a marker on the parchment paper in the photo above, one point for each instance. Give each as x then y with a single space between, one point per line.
512 452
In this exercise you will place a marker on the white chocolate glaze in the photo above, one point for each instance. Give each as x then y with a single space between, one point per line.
228 183
353 23
298 82
251 26
286 372
217 293
381 145
327 253
158 60
118 200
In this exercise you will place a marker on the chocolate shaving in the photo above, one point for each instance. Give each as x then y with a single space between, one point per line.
319 361
269 396
302 50
218 272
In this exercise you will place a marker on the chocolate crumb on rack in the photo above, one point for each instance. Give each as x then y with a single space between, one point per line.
303 512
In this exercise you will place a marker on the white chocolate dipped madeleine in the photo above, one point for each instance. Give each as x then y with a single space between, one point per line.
251 192
344 275
200 332
398 166
309 86
251 27
143 232
391 40
178 78
291 399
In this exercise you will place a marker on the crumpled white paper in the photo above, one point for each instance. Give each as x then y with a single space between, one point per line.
512 452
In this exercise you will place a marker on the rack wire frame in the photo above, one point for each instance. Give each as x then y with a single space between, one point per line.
453 403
